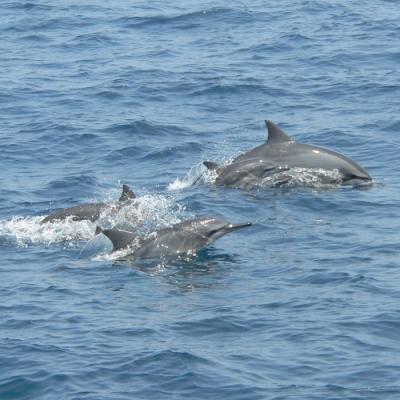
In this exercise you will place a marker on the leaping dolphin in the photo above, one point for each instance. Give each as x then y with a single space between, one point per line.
187 237
91 211
287 153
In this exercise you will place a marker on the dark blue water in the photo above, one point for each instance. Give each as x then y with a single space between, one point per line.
304 304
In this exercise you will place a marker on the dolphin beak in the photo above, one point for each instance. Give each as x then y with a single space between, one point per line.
233 227
229 228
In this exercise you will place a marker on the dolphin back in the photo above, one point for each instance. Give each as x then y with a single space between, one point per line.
89 212
285 151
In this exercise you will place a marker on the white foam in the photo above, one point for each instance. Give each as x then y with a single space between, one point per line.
302 177
159 211
147 213
193 176
27 231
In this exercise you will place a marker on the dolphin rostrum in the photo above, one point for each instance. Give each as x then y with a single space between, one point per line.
187 237
90 211
287 154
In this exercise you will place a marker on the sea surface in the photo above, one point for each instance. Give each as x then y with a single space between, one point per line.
304 304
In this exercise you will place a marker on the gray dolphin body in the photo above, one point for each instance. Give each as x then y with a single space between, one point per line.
90 212
287 153
186 237
244 174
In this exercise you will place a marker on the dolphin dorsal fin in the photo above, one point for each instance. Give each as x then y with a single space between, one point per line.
276 134
127 193
119 238
211 165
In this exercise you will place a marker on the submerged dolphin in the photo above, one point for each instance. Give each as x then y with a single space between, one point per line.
244 174
287 153
91 211
187 237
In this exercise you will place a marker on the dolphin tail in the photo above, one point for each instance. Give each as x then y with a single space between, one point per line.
248 186
127 194
211 165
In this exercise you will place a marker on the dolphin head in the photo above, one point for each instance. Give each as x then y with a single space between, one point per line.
187 237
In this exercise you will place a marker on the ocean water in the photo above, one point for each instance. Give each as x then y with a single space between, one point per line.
304 304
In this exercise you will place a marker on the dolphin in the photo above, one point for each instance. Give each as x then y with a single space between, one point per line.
90 211
244 174
287 153
187 237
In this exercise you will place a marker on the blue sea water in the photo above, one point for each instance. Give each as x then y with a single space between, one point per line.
302 305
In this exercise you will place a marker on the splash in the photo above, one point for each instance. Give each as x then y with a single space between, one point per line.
302 177
195 174
146 213
295 177
145 216
313 178
155 210
23 232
